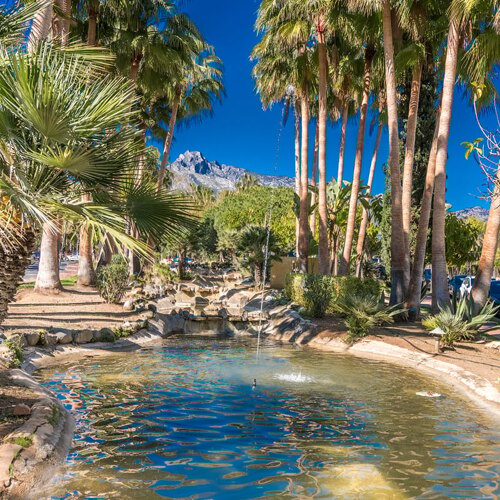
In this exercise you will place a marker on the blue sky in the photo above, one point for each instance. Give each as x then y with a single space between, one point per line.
242 134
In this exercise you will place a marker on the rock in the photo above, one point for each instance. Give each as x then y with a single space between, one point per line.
128 305
32 338
186 314
136 291
151 306
83 337
493 345
21 410
222 313
63 337
104 335
49 339
148 315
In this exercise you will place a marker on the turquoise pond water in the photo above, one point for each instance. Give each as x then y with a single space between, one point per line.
183 420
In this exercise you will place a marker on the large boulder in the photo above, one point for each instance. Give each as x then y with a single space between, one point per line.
49 339
63 337
32 338
104 335
83 337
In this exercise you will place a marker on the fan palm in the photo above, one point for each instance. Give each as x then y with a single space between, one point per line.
64 132
192 93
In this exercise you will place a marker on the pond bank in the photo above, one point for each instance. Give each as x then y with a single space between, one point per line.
281 323
477 377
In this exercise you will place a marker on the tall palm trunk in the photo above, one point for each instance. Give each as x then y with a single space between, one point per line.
304 202
48 268
411 132
14 260
41 25
314 180
323 250
297 172
92 29
170 135
440 295
414 292
482 283
358 161
63 23
343 131
86 272
364 221
397 234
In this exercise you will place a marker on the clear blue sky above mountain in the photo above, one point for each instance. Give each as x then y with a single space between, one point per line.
242 134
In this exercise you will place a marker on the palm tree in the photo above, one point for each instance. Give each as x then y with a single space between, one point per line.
397 233
440 294
284 43
83 145
346 257
364 221
199 84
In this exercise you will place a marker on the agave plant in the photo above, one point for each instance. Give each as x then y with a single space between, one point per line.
463 324
67 129
363 312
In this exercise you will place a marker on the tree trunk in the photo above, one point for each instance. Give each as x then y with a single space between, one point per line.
92 29
397 234
314 183
411 132
364 221
358 161
297 173
345 116
440 295
415 288
482 283
86 272
182 264
13 263
41 26
134 70
170 136
48 269
304 202
323 250
257 274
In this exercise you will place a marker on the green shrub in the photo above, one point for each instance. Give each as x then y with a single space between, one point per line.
112 280
305 289
463 324
317 293
15 346
362 312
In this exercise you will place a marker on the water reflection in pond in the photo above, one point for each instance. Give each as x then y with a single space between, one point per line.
183 421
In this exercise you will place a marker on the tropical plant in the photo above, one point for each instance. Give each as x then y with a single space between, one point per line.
256 247
362 312
464 323
65 132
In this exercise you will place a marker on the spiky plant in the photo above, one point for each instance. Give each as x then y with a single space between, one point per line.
363 312
463 324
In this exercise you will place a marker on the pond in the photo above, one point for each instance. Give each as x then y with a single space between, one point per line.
184 420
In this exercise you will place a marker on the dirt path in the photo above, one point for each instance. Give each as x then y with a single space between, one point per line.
75 308
471 356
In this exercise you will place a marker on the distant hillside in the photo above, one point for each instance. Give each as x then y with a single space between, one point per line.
479 212
193 167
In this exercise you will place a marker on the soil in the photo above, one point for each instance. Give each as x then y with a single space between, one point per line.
472 356
72 309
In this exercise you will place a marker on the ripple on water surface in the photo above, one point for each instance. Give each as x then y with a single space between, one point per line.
183 421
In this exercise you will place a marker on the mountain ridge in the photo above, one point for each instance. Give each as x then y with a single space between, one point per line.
192 167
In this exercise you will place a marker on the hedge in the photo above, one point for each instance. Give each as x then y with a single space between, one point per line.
318 294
